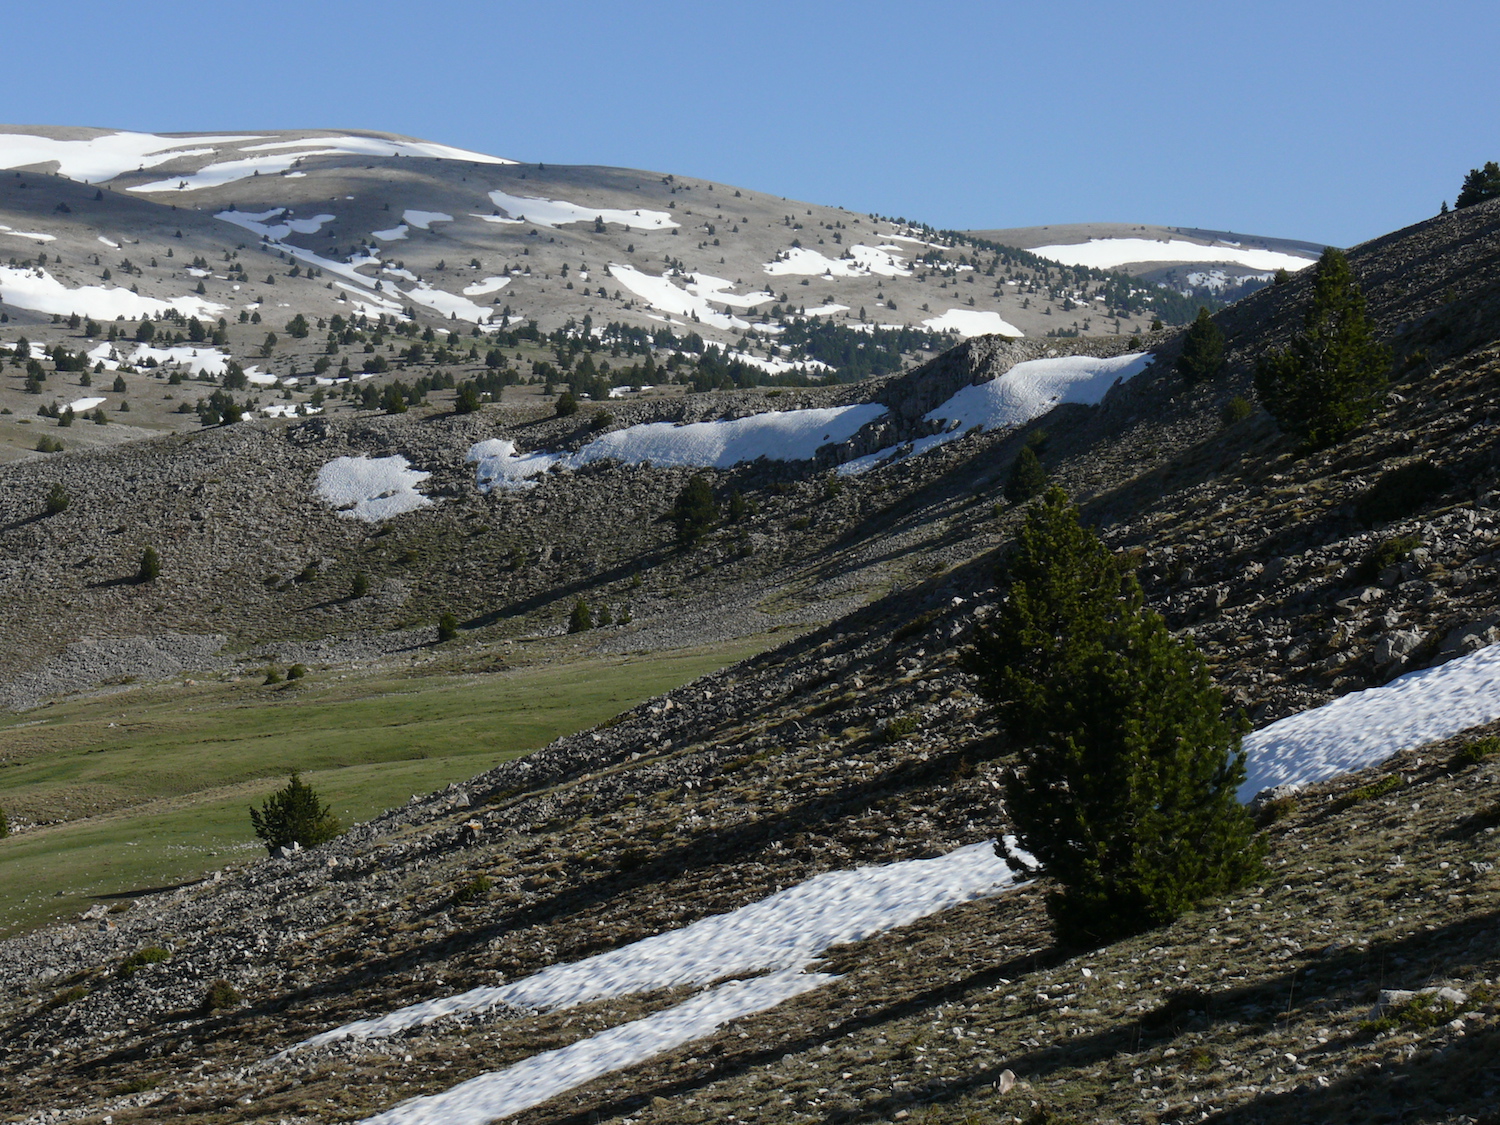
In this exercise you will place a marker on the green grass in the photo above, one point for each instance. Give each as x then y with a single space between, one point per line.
152 787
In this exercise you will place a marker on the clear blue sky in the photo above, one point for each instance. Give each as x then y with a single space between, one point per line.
1323 120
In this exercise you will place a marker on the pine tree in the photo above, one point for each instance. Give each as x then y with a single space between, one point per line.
1333 375
580 621
1127 766
694 510
1027 477
447 628
467 399
294 815
1202 349
150 568
57 499
566 404
1479 185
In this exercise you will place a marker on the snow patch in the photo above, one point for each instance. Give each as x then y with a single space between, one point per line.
80 404
39 291
35 236
394 234
371 488
1364 728
501 1093
860 261
1028 390
557 212
1108 253
488 285
972 322
661 293
449 304
104 157
792 435
422 220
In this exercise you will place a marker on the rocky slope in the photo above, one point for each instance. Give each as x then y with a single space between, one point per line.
862 742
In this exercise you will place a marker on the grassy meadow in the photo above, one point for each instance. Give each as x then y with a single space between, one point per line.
150 787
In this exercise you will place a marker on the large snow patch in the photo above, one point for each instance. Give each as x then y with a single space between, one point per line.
1364 728
39 291
371 488
791 435
1107 253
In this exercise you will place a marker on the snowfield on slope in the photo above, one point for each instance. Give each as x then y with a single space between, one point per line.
39 291
1028 390
1108 253
559 212
781 934
790 435
1364 728
972 322
371 489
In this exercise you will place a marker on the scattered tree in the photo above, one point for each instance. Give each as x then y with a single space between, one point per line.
580 620
695 510
566 404
150 568
1202 349
294 815
1027 477
467 400
360 586
1127 765
1333 375
57 499
447 628
1479 185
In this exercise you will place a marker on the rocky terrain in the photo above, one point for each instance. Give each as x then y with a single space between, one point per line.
859 741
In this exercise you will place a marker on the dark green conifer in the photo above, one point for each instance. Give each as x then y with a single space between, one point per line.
1202 349
1027 477
1127 766
695 510
1333 375
1479 185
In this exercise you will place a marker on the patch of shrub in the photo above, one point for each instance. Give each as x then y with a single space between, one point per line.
273 676
1235 410
68 996
296 671
1388 554
468 891
151 955
447 628
1274 810
1378 788
900 727
1401 492
220 995
1470 755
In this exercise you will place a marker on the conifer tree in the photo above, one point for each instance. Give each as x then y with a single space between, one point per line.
57 499
150 568
580 620
1027 477
695 510
294 815
1479 185
1333 375
1125 786
1202 349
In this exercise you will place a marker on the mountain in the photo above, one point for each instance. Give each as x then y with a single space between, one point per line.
1212 265
861 550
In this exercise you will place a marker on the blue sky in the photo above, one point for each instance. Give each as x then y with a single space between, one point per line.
1322 120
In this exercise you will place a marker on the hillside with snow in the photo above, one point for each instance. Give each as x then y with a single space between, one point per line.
786 887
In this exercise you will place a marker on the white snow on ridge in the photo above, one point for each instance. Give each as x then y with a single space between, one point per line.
104 157
792 435
449 304
862 260
228 171
371 488
1107 253
972 322
39 291
531 1082
784 931
1364 728
488 285
422 220
374 146
1028 390
35 236
557 212
660 293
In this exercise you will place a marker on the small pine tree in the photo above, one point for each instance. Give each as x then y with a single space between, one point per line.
604 617
1333 376
695 510
294 815
467 400
447 628
1479 185
119 384
1127 765
1202 349
150 568
57 499
1027 477
566 404
580 620
360 586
